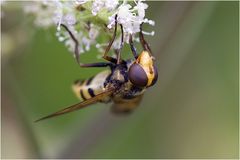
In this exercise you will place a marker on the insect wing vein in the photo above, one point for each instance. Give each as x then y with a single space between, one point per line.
80 105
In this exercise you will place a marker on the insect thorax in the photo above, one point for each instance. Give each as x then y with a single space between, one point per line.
119 79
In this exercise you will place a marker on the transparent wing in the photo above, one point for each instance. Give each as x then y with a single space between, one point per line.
79 105
123 106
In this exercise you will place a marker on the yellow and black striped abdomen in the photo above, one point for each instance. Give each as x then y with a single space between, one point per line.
86 89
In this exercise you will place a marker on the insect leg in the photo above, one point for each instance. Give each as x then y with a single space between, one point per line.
143 42
121 45
99 64
76 52
132 47
108 58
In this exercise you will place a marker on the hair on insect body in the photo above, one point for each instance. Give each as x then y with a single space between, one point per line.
123 84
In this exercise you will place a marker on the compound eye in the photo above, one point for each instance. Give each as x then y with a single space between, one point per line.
137 75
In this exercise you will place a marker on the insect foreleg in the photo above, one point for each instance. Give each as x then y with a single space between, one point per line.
99 64
108 58
76 52
121 45
143 42
132 47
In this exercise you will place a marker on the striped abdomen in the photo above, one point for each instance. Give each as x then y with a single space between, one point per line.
86 89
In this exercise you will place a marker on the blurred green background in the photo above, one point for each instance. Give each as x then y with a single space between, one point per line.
192 112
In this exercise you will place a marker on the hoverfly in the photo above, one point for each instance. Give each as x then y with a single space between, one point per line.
124 83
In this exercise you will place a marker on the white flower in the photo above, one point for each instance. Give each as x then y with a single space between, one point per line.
140 7
86 42
111 4
129 19
103 4
70 19
97 6
124 14
93 32
84 24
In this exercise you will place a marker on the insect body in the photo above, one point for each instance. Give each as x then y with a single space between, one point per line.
89 88
123 84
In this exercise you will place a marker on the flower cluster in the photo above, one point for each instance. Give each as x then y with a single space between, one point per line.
89 20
